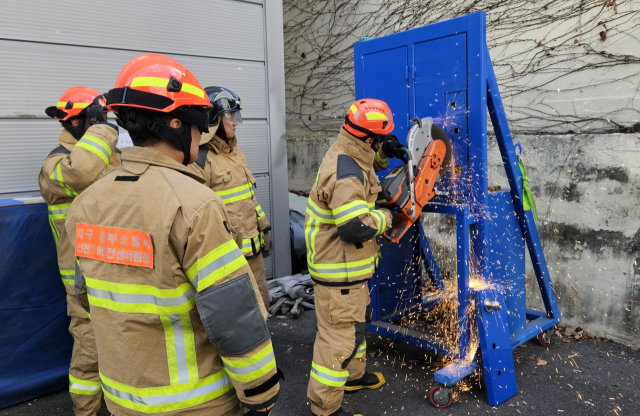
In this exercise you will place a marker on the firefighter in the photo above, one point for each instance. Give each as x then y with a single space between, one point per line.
177 318
226 171
86 152
341 227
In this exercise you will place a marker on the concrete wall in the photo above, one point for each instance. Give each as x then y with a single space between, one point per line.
587 189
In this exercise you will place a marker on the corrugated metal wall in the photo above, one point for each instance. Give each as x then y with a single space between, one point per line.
46 47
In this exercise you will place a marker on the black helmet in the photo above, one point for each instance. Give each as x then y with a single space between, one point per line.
224 101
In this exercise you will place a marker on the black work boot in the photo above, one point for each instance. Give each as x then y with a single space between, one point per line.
367 381
341 412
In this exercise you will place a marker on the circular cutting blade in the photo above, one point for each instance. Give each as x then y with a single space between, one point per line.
438 134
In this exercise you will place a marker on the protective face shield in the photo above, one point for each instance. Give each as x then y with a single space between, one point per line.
230 110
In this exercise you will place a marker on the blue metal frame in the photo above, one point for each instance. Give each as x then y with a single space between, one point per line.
395 68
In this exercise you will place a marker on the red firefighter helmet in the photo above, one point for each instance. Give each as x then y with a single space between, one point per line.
73 103
368 118
156 82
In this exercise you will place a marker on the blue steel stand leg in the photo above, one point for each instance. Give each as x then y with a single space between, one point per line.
495 346
465 364
462 231
527 222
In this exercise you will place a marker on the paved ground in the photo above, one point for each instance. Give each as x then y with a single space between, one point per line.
580 378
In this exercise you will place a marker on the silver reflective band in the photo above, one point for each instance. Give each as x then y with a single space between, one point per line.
181 351
318 214
143 299
329 376
55 176
58 211
354 208
312 226
168 398
346 270
83 386
216 264
234 194
96 146
247 242
251 367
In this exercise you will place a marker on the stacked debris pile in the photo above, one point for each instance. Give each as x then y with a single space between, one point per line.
292 294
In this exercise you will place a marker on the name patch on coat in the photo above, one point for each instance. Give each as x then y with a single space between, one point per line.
114 245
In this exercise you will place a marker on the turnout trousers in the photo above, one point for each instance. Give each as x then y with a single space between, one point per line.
339 352
84 379
259 271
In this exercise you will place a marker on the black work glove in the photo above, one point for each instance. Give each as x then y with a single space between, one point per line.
267 249
391 147
95 112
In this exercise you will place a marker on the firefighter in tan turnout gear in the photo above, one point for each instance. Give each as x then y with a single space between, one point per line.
178 323
87 151
225 169
341 227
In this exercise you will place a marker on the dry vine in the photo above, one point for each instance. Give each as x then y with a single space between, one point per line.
575 49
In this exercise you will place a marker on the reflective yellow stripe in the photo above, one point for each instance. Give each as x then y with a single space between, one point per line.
382 220
374 115
328 376
343 270
259 211
167 398
68 280
84 387
236 194
247 248
353 108
362 350
56 175
130 298
181 349
215 265
63 104
58 212
192 89
163 82
339 215
96 146
249 369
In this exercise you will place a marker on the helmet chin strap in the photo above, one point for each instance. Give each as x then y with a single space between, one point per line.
76 131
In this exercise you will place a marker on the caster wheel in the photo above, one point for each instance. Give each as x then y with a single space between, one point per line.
545 338
441 396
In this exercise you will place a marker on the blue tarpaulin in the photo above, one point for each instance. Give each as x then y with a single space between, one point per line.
35 344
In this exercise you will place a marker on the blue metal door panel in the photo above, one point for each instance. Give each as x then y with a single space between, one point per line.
386 78
506 257
440 84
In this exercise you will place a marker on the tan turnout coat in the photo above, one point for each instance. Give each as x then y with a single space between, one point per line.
155 355
225 170
341 220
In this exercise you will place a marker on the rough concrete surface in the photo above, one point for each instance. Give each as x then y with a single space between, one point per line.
587 190
580 378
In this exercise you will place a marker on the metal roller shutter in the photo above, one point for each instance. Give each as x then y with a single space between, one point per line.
46 48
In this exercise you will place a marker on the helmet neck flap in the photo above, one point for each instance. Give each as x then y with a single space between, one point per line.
179 137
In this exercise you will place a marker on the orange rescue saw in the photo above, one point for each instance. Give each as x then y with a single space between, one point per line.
408 188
